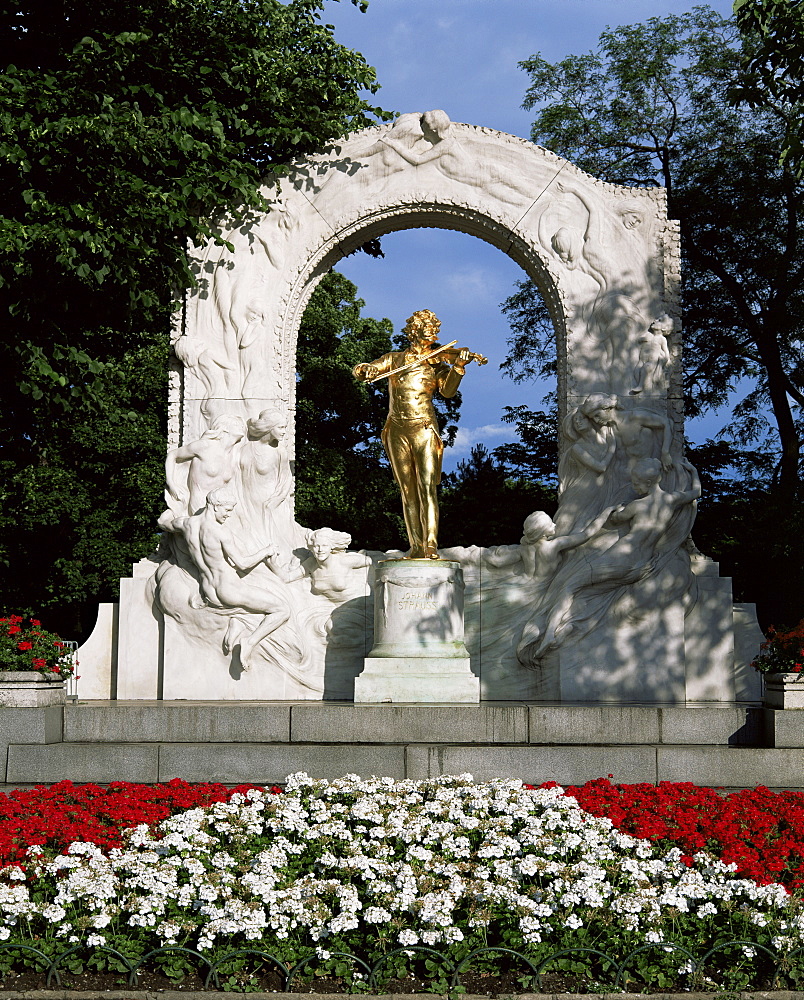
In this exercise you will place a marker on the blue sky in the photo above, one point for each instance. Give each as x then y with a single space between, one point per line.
462 56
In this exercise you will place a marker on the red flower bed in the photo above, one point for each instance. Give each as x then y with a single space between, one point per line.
760 830
56 816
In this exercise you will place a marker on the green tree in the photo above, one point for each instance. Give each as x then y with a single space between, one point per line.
127 127
342 478
651 106
773 67
483 503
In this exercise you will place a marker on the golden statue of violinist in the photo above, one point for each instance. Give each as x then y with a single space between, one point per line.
410 436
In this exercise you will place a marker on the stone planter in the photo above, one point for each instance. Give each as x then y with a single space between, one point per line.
784 690
30 689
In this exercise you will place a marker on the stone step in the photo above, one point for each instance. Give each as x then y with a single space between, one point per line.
730 746
270 763
485 724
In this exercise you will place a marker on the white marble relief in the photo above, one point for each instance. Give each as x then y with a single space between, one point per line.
266 607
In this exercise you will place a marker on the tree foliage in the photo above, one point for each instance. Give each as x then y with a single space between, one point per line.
127 127
773 67
485 503
652 106
342 478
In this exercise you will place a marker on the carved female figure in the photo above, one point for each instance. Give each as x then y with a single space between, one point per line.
335 573
654 357
589 434
652 528
636 432
224 565
267 482
203 465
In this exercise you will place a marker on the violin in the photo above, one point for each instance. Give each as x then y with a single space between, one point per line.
448 353
452 354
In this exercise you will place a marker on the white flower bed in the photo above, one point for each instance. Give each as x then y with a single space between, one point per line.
367 866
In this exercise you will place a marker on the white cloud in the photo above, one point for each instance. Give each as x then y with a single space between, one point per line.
489 434
471 283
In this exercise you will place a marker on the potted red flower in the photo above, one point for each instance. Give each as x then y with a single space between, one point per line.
34 664
781 662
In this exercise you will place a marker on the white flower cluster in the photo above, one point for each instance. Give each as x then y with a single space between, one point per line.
407 862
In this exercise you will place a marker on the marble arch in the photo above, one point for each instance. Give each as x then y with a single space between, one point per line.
605 259
241 602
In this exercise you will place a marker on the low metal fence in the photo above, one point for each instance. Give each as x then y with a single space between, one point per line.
369 977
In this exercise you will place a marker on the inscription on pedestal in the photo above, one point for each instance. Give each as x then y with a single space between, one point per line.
413 601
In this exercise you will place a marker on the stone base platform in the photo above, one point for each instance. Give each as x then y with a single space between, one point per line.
423 679
735 746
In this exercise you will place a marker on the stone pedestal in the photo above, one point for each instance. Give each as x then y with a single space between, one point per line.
419 653
784 690
30 689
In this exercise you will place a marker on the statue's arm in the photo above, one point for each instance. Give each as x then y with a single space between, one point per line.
449 378
694 492
503 555
243 561
416 159
623 514
369 370
564 542
358 560
176 483
594 224
658 423
584 457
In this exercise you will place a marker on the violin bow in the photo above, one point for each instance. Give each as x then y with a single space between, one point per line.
412 364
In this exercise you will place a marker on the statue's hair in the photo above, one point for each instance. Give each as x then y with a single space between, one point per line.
222 495
596 402
267 421
579 418
437 120
422 319
226 423
647 468
407 123
337 540
664 324
628 206
538 520
566 241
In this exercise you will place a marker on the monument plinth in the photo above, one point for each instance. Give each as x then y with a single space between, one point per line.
419 654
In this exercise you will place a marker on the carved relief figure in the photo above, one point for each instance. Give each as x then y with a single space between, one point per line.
195 469
335 573
636 432
223 565
615 323
267 482
430 138
610 239
440 144
539 551
584 251
209 366
589 431
654 357
586 592
410 436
